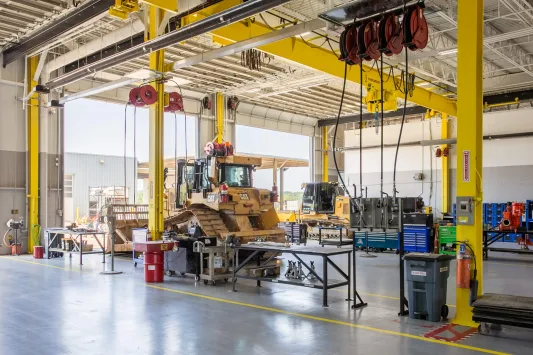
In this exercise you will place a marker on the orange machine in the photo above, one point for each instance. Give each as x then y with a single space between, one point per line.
512 216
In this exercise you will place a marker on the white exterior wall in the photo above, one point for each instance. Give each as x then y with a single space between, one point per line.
508 166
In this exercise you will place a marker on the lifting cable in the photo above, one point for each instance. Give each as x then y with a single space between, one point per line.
125 141
361 220
335 134
406 90
382 126
134 155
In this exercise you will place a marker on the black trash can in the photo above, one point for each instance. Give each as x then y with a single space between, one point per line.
427 276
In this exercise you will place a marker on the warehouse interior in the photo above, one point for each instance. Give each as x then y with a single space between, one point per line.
148 148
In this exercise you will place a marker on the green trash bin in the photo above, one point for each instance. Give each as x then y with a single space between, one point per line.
427 276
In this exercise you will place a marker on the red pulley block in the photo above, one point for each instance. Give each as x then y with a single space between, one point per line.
351 46
371 40
148 95
391 35
361 45
438 153
175 102
343 47
446 152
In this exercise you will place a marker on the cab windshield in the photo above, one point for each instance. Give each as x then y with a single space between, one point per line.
236 175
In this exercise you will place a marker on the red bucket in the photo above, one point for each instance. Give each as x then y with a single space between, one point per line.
15 249
153 266
38 252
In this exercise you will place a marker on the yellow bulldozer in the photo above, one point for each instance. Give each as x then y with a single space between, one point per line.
323 204
215 197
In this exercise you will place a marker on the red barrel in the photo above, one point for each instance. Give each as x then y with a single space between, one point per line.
153 266
38 252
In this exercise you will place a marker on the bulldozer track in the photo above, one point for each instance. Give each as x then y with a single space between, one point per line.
209 220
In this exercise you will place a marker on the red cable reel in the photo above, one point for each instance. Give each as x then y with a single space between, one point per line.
143 96
368 40
415 29
391 35
175 103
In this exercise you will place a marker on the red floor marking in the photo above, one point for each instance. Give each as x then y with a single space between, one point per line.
451 333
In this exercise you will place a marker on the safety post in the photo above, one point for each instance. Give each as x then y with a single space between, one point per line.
32 110
156 131
470 140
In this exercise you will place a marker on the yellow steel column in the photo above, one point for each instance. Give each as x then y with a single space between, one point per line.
33 152
220 117
445 169
470 138
325 157
156 131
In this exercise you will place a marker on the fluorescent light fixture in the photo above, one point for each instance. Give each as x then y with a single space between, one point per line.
448 51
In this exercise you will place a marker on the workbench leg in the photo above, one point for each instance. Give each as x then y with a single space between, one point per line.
349 277
81 249
103 251
258 264
325 282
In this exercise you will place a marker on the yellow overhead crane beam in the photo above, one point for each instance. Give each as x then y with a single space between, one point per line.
298 51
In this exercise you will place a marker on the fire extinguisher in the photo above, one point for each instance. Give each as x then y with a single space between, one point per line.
463 267
224 196
465 278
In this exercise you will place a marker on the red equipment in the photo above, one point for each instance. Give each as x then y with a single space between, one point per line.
391 35
224 196
38 252
512 216
143 96
463 269
154 256
438 153
351 46
415 29
274 194
367 40
175 103
218 149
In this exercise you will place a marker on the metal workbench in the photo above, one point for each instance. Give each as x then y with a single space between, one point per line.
77 241
319 282
333 241
492 236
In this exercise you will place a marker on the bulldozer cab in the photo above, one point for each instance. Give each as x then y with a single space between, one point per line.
320 197
235 175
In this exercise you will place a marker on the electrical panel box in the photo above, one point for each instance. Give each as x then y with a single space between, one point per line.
465 210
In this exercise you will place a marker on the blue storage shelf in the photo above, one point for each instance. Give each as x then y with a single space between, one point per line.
377 240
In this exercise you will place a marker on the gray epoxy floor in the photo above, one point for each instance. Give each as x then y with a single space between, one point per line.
56 307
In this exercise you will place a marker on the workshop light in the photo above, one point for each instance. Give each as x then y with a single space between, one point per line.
448 51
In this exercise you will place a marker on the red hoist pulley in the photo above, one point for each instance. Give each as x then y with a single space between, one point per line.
368 41
143 96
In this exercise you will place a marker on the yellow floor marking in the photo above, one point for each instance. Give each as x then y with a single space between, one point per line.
380 296
36 263
327 320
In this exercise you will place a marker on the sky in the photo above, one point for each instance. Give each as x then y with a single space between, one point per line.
97 127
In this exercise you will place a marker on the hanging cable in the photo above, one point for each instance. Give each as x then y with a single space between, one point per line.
134 155
125 141
382 142
335 133
405 92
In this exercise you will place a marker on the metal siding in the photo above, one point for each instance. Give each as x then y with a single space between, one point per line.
88 172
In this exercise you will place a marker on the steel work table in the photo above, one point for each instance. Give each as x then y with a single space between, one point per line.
320 282
497 235
77 241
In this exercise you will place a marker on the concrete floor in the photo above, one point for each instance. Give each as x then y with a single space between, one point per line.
57 307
